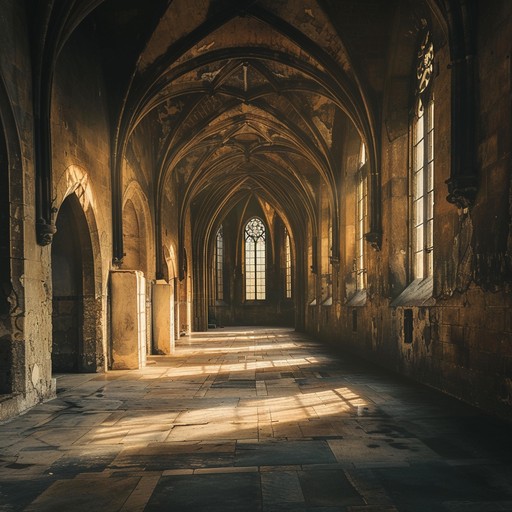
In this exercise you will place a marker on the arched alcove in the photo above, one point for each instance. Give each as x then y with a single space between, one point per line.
72 285
137 231
74 192
134 241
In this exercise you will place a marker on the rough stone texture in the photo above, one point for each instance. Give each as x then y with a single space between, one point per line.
257 419
461 344
30 319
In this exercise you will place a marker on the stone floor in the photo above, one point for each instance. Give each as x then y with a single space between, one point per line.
252 420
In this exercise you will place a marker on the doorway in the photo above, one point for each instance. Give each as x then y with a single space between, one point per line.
71 260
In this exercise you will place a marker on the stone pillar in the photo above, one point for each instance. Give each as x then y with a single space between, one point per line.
185 309
163 318
128 289
176 308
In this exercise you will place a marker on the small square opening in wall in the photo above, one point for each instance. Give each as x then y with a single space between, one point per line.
408 326
354 320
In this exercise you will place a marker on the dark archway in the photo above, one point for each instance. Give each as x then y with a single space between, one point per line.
12 262
5 268
5 277
71 265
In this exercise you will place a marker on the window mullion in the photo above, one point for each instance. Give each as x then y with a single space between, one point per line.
425 188
256 273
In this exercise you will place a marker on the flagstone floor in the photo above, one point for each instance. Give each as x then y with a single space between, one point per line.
253 420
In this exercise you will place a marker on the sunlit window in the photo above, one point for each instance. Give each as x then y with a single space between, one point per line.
361 219
255 264
288 265
422 168
219 265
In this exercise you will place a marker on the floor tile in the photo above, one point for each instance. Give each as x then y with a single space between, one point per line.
253 420
212 493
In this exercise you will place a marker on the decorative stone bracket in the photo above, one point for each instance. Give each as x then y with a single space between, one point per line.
462 191
374 238
45 232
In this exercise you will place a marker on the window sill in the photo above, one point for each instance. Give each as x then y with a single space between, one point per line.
357 299
418 293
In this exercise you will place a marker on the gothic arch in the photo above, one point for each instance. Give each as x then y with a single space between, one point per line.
74 191
75 180
137 230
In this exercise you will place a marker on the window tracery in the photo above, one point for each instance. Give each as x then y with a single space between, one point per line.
422 165
288 265
255 260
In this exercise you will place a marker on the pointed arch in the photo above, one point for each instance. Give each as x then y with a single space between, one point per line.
255 259
74 193
138 230
76 180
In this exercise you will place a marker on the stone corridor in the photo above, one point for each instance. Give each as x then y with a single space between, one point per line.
251 420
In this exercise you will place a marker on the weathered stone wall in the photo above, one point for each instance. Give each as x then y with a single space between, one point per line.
139 213
138 190
81 166
461 339
28 326
169 234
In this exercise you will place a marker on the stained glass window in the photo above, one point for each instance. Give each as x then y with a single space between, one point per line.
288 265
255 261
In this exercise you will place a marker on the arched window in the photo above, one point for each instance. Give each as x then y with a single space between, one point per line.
361 219
255 264
288 265
422 164
219 265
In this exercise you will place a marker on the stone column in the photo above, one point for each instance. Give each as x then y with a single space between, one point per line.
163 318
128 288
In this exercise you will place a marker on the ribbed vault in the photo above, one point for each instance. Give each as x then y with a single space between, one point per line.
218 103
246 101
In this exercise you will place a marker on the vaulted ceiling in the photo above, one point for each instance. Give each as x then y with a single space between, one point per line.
247 97
240 97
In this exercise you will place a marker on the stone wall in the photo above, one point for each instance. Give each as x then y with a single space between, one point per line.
28 325
460 340
81 167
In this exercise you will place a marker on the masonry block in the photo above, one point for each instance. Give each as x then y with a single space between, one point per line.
128 319
163 318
